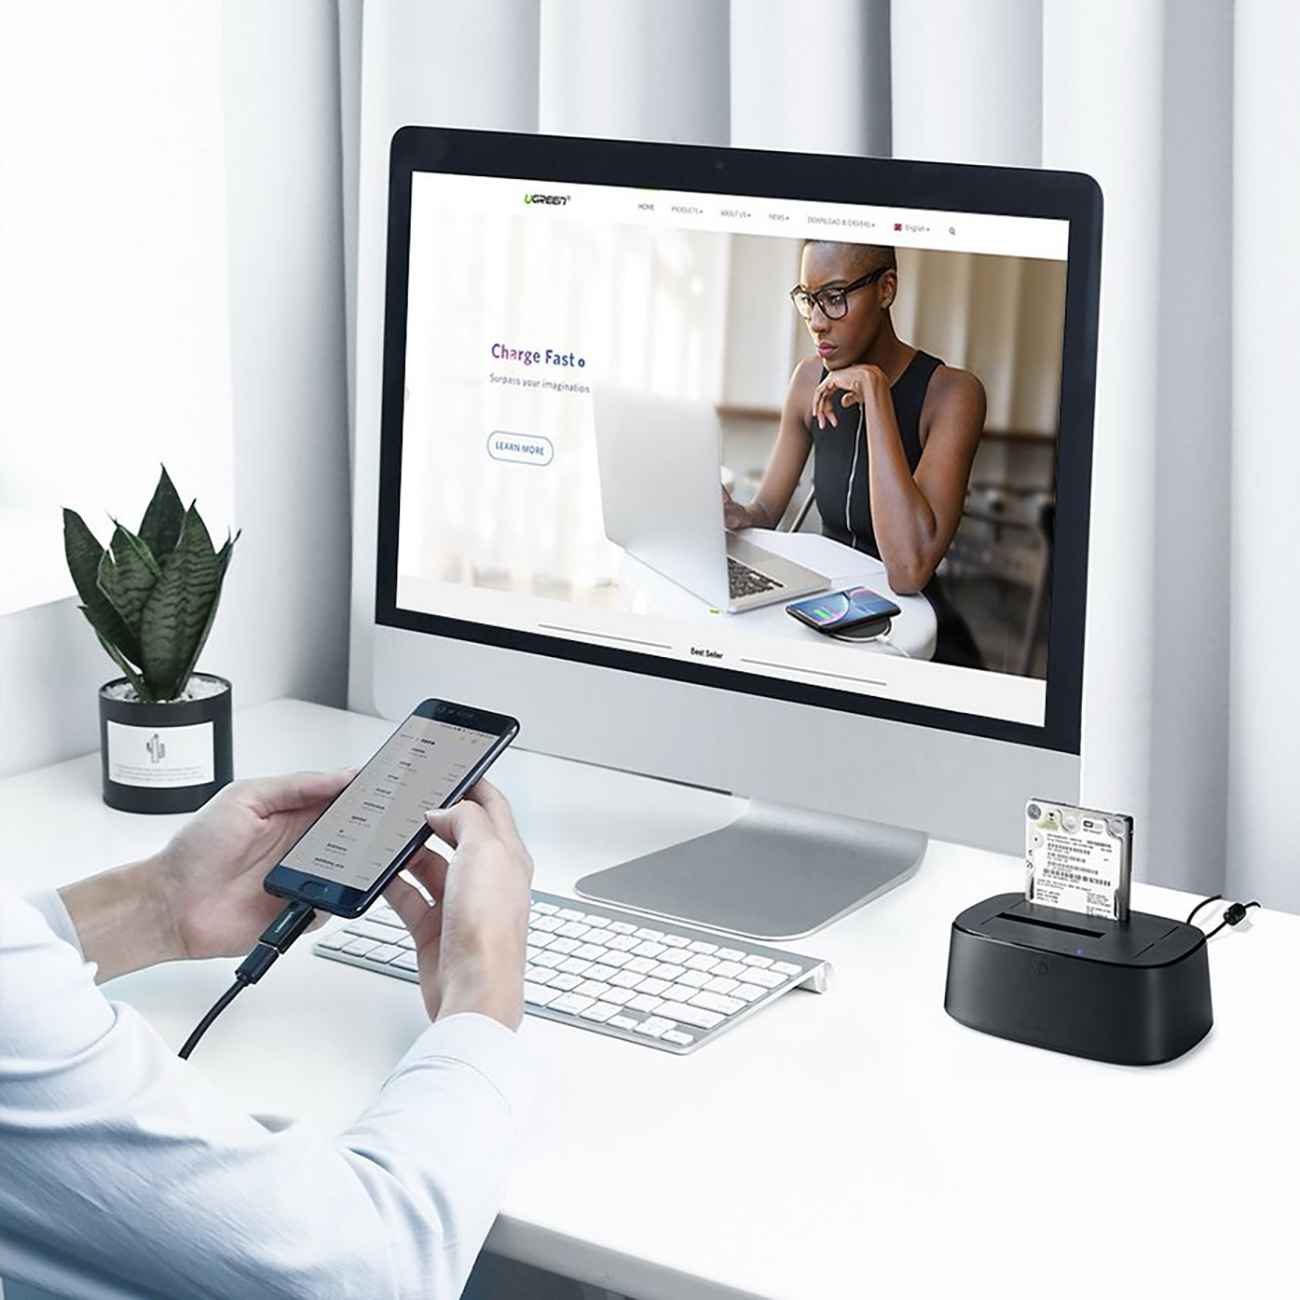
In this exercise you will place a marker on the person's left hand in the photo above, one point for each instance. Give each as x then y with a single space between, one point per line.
209 876
857 383
201 895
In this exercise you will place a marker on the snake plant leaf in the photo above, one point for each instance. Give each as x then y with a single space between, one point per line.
84 555
160 529
179 609
223 559
127 574
128 672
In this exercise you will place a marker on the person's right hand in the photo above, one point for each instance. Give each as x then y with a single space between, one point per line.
734 515
471 940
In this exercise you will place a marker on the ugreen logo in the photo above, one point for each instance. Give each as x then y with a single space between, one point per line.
559 199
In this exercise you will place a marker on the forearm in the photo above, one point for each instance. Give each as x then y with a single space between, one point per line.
907 531
120 920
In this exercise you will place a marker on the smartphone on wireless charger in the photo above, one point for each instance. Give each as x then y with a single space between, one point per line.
349 854
857 613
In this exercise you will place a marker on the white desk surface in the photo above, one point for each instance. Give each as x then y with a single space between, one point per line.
850 1144
914 631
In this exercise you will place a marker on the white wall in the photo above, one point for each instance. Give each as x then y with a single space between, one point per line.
282 629
1263 611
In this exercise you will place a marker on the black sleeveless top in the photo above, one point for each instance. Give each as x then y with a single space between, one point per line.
841 485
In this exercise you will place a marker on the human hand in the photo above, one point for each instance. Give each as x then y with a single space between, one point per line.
201 895
857 383
471 939
734 515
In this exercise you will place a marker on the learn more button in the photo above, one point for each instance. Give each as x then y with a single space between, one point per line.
520 448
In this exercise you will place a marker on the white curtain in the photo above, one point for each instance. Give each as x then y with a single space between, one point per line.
1189 118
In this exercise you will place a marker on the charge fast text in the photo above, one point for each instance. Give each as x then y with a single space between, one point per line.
533 357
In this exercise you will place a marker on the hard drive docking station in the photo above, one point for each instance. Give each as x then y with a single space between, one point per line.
1133 992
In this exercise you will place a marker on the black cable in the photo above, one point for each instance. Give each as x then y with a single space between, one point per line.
276 938
1233 914
221 1004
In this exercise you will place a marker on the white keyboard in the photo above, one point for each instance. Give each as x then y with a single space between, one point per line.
641 979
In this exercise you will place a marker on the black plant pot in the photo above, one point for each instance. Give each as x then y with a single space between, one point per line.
165 758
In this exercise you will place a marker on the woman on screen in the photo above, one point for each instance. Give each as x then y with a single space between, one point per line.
894 430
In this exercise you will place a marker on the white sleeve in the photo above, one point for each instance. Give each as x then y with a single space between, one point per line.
125 1172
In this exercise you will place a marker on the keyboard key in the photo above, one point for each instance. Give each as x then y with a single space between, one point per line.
600 1012
538 975
565 981
649 934
696 979
570 914
655 985
574 1003
649 949
676 1036
540 940
564 945
574 965
654 1026
676 956
755 960
546 909
769 979
407 961
539 995
386 916
360 947
679 992
590 951
720 985
592 989
666 971
787 968
617 959
700 1017
620 942
385 952
551 959
627 979
596 922
675 941
716 1002
700 946
601 972
340 939
622 927
642 964
730 954
574 930
644 1002
748 992
701 962
621 1022
620 997
724 968
547 924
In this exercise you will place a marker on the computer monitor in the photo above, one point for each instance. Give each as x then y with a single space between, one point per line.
889 368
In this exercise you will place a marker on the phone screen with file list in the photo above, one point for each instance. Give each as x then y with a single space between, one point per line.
377 815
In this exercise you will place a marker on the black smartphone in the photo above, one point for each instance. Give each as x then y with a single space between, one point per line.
837 613
348 855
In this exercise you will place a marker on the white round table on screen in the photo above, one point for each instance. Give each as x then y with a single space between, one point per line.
913 632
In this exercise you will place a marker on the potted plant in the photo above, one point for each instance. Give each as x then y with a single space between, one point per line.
151 596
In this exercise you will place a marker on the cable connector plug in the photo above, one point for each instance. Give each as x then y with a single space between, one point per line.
276 938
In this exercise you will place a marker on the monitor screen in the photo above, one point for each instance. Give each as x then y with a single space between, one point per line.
668 427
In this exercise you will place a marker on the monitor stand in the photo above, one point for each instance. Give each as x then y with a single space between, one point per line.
776 872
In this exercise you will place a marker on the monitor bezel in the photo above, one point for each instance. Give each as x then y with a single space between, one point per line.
1067 196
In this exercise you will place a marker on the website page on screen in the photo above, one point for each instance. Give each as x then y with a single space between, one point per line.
600 380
